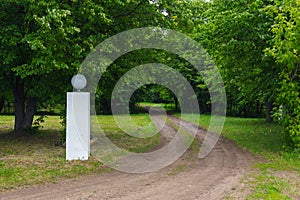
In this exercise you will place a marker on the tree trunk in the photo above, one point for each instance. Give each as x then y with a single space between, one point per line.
23 117
29 114
19 105
1 104
269 107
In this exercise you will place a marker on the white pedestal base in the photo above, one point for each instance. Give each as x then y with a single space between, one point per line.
78 126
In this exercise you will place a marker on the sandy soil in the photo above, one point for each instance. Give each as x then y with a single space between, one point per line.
188 178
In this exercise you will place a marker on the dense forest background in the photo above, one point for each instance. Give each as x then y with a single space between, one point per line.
254 43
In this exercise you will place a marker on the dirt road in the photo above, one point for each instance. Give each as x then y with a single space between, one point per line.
188 178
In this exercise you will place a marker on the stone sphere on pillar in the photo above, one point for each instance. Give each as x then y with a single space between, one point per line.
78 82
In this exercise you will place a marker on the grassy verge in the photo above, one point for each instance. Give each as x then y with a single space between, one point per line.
142 139
275 178
35 159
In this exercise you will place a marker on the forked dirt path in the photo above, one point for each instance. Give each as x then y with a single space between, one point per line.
188 178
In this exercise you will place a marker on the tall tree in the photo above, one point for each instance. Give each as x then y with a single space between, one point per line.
286 51
236 33
43 43
35 36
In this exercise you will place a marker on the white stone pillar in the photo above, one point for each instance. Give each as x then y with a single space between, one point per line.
78 126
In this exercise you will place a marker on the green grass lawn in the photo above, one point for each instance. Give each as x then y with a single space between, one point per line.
253 134
35 159
267 140
123 140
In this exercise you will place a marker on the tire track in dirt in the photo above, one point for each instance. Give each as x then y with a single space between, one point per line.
188 178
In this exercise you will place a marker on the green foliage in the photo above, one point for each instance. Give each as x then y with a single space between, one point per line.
285 49
153 92
235 33
44 42
256 46
254 43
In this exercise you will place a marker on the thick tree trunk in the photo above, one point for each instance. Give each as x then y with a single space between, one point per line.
1 104
19 105
269 107
29 114
23 117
